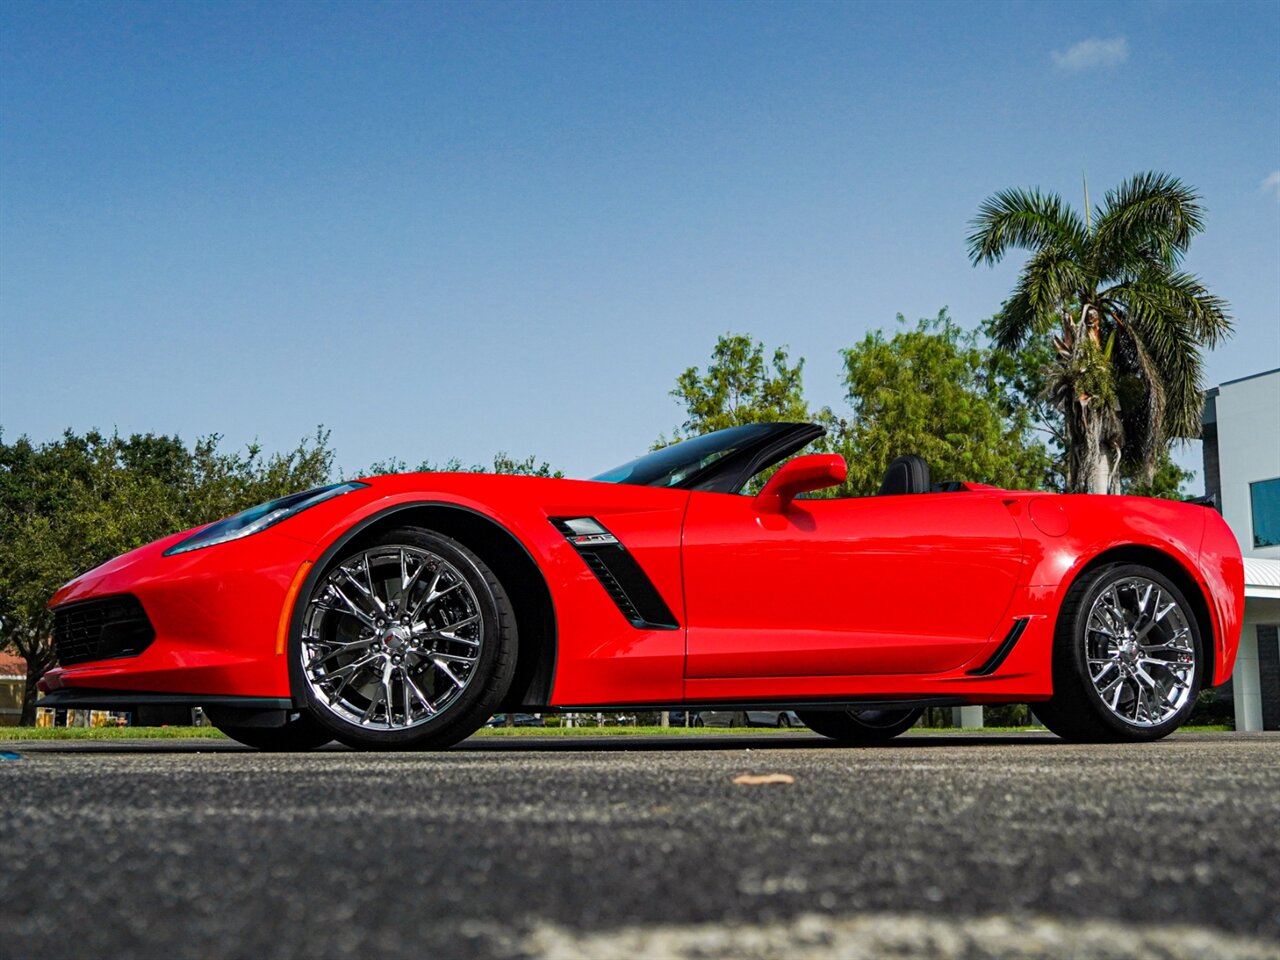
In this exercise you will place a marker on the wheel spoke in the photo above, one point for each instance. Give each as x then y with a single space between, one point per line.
373 587
337 648
387 693
1172 643
451 657
372 708
1119 689
430 593
433 595
409 582
1146 598
422 697
352 608
1110 665
337 692
444 668
351 669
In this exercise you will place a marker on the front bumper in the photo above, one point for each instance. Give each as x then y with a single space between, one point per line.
216 616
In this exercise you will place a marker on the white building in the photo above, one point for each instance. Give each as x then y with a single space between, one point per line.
1242 473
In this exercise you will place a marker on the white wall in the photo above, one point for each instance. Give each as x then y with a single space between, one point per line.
1248 415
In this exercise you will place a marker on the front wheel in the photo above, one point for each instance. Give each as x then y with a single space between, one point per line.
860 728
408 642
1128 658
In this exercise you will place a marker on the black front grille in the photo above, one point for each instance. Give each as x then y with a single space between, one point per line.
100 630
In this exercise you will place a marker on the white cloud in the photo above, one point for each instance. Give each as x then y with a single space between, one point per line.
1091 53
1272 184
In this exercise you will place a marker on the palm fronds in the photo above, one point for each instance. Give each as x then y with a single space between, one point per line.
1129 373
1026 220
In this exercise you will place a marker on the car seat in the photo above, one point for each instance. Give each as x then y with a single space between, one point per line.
907 474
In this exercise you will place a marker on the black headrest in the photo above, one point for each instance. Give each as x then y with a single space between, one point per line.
909 474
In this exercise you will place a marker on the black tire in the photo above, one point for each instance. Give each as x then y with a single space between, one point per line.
784 722
860 728
491 671
299 734
1077 710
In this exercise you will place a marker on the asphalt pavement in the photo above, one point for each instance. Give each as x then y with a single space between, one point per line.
939 846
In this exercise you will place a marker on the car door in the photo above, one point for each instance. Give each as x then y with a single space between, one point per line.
911 584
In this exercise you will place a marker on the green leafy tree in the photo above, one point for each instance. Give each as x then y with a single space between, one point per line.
928 390
503 463
72 504
740 386
1128 324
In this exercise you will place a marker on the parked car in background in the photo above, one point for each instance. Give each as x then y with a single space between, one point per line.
677 718
518 720
751 718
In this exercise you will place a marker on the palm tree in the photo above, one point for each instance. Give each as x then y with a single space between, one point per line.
1128 325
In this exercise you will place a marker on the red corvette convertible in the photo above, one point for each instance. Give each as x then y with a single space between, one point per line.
404 611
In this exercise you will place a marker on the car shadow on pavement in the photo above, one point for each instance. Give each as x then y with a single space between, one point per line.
557 743
713 742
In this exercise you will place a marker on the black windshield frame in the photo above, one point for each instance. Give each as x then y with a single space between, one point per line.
744 452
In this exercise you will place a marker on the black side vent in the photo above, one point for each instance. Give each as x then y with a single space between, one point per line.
104 629
1002 651
623 579
611 586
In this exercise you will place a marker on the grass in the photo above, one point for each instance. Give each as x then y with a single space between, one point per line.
211 733
110 733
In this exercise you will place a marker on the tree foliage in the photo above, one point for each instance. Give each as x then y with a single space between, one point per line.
928 390
740 386
74 503
503 463
1127 323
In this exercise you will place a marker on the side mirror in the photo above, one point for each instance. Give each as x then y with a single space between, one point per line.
815 472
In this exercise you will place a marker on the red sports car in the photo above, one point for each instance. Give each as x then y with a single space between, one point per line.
404 611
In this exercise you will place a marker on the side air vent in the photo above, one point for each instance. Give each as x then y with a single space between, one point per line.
1002 651
623 579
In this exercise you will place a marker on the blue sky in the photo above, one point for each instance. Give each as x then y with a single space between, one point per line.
451 229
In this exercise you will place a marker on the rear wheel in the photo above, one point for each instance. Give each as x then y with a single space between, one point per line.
408 642
299 732
861 728
1128 658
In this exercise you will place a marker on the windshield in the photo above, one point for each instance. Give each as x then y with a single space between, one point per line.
670 465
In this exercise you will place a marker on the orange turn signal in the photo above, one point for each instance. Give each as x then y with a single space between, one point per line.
286 612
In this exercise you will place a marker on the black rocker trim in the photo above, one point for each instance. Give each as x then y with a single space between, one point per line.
83 698
833 705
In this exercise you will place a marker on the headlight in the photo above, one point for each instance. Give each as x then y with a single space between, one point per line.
251 521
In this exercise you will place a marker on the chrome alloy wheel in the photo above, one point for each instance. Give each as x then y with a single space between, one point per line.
391 637
1139 650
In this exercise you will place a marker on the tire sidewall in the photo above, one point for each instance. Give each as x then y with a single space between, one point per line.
1078 652
474 705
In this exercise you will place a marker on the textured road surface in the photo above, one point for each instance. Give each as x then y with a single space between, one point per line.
942 846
